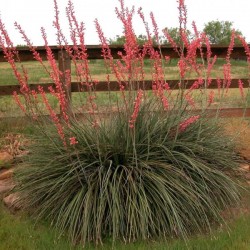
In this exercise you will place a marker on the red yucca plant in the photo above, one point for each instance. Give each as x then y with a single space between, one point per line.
144 164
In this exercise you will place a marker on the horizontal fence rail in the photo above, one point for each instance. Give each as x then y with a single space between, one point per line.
114 86
95 52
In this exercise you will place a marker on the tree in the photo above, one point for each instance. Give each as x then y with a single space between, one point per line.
175 35
120 40
141 39
219 32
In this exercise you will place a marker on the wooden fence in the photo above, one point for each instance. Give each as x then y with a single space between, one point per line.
94 52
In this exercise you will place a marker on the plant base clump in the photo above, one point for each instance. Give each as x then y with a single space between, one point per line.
129 184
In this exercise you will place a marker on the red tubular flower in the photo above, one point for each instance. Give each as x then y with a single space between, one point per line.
210 67
29 44
208 45
184 38
241 88
230 47
5 35
11 55
182 14
182 68
140 13
165 103
218 80
73 140
211 97
183 125
196 32
196 85
171 40
190 100
137 104
56 24
227 75
18 101
53 115
55 76
246 47
156 31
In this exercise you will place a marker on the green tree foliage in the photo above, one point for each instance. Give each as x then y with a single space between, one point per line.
219 32
22 46
175 35
120 40
141 39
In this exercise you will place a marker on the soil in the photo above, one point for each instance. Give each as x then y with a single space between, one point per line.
240 129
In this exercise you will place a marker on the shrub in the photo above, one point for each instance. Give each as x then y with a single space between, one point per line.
131 184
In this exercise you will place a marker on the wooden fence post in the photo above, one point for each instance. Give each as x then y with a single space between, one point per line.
64 65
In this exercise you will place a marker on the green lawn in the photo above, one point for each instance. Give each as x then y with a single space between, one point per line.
18 232
8 107
98 71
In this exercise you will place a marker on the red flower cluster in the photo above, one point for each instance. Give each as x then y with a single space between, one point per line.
137 104
53 115
211 97
73 140
241 88
183 126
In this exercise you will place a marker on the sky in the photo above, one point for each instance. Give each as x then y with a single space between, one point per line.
34 14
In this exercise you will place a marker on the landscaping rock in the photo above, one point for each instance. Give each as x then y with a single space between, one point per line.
6 174
5 157
19 158
6 186
245 167
10 201
245 153
248 176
